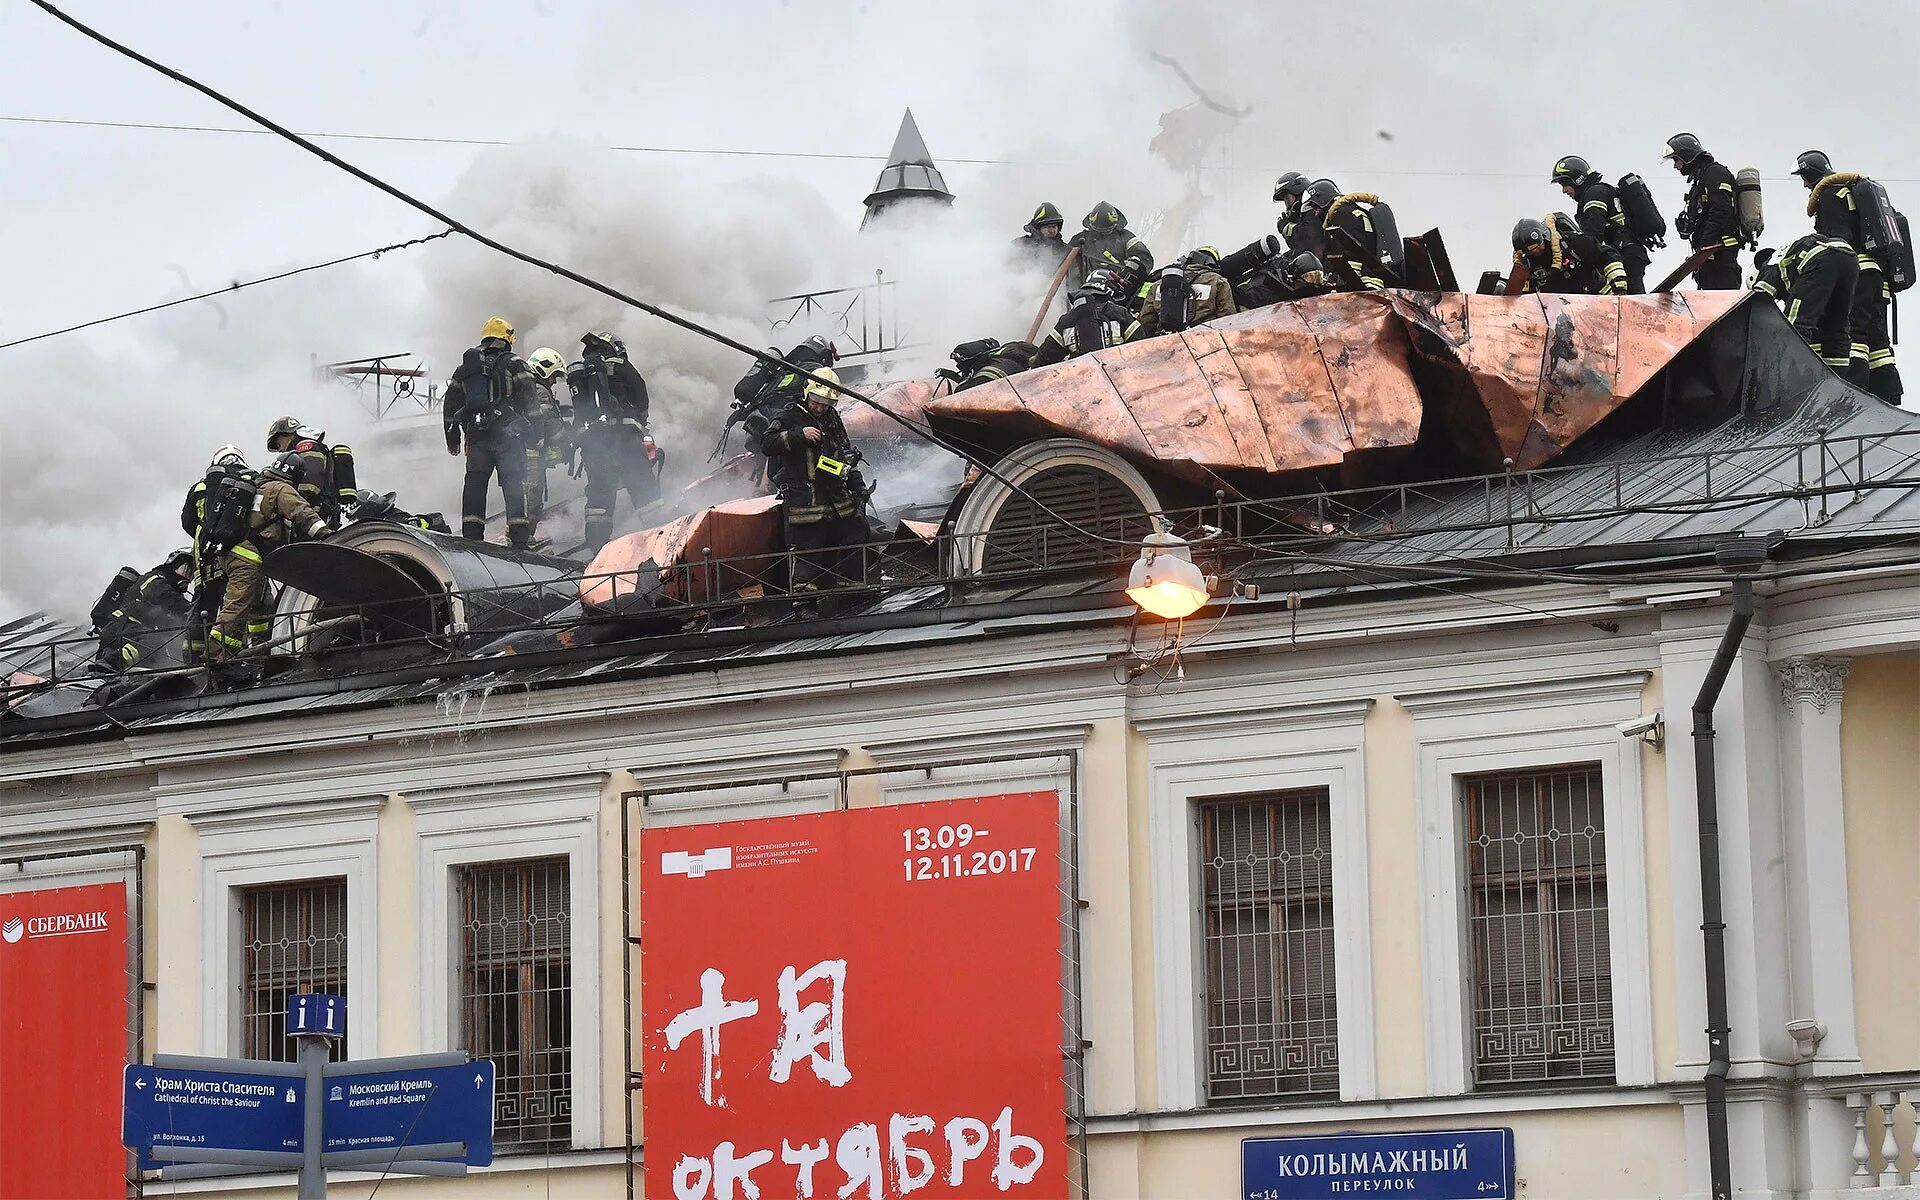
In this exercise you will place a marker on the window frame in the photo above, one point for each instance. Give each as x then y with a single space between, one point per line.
242 898
508 822
1272 798
286 844
463 875
1197 756
1542 882
1495 728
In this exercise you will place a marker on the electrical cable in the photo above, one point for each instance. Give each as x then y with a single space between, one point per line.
232 287
717 152
495 244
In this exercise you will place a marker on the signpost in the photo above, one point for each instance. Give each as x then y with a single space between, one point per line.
1439 1164
195 1118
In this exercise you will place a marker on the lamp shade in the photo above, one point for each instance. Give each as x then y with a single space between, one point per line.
1164 580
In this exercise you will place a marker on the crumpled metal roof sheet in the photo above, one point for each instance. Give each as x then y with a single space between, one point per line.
746 532
1316 383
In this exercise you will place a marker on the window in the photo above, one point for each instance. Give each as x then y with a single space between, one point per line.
295 941
1271 1018
1537 921
516 996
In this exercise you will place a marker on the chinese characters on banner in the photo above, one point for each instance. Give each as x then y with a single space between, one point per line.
63 1041
860 1004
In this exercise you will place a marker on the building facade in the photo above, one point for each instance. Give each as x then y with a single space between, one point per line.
1417 862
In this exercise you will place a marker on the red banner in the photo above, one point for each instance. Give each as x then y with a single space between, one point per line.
860 1004
63 1041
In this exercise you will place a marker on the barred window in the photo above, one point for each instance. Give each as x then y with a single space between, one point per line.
1537 912
1271 1021
516 996
295 942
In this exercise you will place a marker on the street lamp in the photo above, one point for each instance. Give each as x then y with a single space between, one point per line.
1164 580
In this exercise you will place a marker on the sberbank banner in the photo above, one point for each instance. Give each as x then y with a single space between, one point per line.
1446 1164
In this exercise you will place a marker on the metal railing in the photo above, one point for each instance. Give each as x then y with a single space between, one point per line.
862 321
705 593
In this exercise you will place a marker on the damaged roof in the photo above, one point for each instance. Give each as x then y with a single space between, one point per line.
1678 428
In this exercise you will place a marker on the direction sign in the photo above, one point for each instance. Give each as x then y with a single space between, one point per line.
209 1110
1432 1164
316 1014
420 1107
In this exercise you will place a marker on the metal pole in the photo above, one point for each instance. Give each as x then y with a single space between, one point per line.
313 1176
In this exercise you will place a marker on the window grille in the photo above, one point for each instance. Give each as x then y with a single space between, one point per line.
516 996
1537 913
1272 1029
295 942
1028 533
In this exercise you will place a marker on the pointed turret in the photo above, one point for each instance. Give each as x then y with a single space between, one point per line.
909 175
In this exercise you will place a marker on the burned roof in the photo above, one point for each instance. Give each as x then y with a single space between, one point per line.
1733 426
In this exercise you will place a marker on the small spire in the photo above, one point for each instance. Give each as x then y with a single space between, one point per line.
910 173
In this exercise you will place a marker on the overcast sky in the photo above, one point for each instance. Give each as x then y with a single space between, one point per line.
1452 112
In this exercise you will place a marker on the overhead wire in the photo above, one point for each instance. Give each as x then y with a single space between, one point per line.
925 431
727 152
235 286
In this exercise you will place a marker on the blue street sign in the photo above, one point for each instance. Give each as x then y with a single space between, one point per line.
1446 1164
317 1014
413 1108
209 1110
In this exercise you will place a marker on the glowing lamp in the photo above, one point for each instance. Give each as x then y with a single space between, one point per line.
1164 581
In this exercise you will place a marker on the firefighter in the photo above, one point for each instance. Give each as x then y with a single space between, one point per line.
1361 252
1814 279
1105 243
985 360
1287 193
1185 295
1709 220
1095 319
1040 246
768 388
136 621
821 491
548 447
1598 209
610 403
490 404
208 584
1268 271
1561 257
277 515
330 485
1835 209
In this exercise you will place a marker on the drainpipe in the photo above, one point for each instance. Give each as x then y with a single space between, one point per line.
1739 557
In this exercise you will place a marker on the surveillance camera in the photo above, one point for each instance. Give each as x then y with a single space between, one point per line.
1651 729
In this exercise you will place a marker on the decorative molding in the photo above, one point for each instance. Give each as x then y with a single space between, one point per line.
1031 741
684 776
1815 681
1529 694
506 793
278 817
1272 716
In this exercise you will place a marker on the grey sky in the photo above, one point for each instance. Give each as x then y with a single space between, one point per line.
1476 100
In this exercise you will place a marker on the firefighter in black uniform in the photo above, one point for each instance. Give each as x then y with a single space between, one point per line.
985 360
1814 279
1352 250
330 485
1287 192
1095 319
1105 243
1268 272
1709 220
492 401
768 389
1041 246
1561 257
1835 210
135 621
1191 292
610 403
1598 209
821 491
